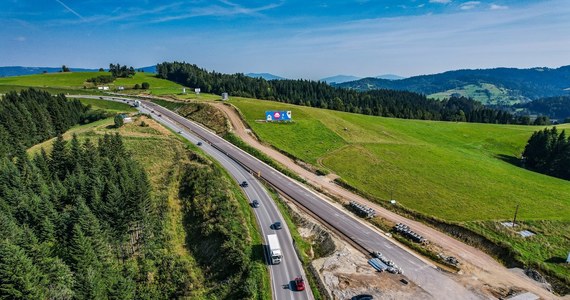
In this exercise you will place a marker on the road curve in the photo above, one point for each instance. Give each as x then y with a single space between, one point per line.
267 213
431 279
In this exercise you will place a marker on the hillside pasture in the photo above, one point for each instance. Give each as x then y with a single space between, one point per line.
453 171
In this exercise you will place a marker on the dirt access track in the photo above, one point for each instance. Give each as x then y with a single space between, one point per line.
480 270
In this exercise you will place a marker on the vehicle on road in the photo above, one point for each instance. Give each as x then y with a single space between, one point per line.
255 203
299 284
404 281
179 131
244 184
274 249
199 143
277 225
362 297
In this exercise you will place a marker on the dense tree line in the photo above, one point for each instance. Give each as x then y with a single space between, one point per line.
388 103
33 116
554 107
119 71
101 79
548 152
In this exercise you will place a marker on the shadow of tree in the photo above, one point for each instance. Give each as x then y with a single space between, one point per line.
556 260
510 159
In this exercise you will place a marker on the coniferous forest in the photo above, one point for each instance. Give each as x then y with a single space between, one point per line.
387 103
68 218
80 221
33 116
548 152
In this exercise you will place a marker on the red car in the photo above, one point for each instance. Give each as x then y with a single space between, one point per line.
299 284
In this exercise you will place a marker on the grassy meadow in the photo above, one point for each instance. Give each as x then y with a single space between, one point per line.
454 171
485 93
462 172
74 81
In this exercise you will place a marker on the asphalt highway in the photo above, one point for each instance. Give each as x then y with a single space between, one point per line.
283 274
434 281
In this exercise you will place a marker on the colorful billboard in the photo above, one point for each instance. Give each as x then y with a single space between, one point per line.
278 115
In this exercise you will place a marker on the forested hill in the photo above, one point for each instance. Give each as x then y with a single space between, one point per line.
530 84
33 116
388 103
554 107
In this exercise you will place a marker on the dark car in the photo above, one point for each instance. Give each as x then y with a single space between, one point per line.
255 203
277 225
299 284
199 143
363 297
244 184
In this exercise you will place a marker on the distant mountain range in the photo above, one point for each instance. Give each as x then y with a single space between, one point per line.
499 86
18 70
338 79
266 76
390 77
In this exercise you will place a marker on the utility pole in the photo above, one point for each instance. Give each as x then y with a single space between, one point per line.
515 218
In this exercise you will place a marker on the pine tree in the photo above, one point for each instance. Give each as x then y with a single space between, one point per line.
20 278
59 158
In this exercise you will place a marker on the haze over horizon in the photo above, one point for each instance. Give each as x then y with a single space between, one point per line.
289 38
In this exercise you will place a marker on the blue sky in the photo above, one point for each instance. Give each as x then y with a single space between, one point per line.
291 38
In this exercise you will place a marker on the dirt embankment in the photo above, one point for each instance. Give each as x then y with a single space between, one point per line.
342 271
206 115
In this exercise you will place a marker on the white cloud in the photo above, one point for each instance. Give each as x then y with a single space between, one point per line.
20 39
469 5
229 9
440 1
497 7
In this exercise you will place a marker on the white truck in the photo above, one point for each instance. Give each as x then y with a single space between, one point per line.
274 249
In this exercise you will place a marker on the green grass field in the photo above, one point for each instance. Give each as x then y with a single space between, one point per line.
454 171
461 172
73 81
485 93
108 105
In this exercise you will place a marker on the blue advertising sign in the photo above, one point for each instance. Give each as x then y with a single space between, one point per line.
278 115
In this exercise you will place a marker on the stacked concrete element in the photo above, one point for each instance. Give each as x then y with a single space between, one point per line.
408 233
362 210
